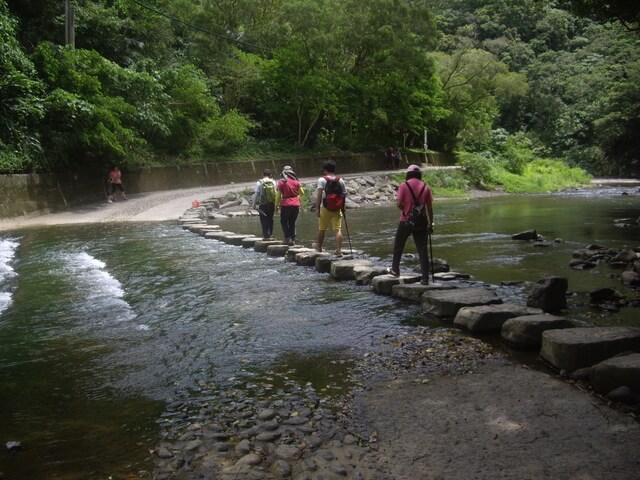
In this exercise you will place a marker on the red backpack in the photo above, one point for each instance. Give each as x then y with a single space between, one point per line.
333 195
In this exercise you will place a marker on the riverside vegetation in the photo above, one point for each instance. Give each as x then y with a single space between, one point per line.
159 81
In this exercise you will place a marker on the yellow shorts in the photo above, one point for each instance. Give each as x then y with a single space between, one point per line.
327 216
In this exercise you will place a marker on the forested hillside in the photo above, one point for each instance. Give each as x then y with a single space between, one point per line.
157 81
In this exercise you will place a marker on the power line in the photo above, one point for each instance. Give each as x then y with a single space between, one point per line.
195 27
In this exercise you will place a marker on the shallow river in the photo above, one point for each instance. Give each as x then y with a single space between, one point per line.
103 326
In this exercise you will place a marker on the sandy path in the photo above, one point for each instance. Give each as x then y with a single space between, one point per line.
143 207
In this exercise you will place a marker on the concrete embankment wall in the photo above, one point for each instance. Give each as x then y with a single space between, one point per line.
40 193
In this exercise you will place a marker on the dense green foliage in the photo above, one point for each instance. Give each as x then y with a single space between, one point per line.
150 81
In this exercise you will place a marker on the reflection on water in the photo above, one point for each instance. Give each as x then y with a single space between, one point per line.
102 325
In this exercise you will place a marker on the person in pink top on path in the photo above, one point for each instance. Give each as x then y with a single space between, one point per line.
414 187
115 183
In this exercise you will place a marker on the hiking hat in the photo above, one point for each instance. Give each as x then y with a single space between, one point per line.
288 172
413 168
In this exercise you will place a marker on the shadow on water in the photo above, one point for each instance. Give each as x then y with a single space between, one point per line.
103 327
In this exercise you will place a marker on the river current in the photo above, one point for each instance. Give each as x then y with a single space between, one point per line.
102 326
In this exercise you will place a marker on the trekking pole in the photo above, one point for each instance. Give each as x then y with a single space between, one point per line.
346 226
430 241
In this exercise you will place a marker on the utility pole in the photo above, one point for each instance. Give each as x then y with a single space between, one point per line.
69 26
426 146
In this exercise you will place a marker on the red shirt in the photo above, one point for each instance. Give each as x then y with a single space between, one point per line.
115 176
289 191
404 195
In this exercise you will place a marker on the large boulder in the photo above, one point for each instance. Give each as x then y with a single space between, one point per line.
630 277
489 318
549 294
446 303
526 331
574 348
626 255
619 371
526 235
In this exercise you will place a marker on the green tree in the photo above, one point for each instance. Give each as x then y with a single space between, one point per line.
475 83
625 11
20 103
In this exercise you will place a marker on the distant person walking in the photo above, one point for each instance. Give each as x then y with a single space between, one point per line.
396 156
288 201
115 183
388 155
330 196
264 199
413 192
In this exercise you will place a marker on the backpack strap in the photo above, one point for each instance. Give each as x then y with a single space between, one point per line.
415 199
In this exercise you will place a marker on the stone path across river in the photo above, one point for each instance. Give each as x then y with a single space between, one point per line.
435 405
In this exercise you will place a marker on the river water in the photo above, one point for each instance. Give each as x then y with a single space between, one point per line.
103 326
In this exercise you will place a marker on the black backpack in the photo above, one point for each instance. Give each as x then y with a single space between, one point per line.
417 219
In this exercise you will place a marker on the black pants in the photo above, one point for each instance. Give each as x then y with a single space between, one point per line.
421 240
288 217
266 212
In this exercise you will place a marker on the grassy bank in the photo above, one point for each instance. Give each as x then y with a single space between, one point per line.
537 176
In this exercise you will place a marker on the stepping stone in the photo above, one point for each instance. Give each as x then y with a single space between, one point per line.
323 262
364 274
448 276
262 245
189 225
489 318
217 235
413 291
343 269
308 258
249 242
446 303
574 348
384 283
236 239
293 251
277 250
190 219
202 229
526 331
623 370
210 227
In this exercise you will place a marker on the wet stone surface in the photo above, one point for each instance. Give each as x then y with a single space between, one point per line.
271 426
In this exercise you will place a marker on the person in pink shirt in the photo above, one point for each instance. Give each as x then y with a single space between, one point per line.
413 190
288 202
115 183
